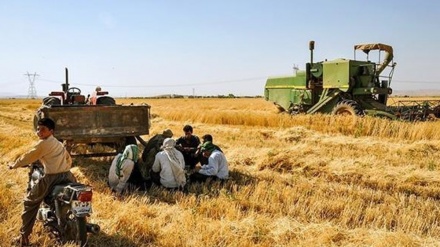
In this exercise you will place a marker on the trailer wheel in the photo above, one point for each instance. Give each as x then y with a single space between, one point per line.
130 140
125 141
436 111
348 108
105 100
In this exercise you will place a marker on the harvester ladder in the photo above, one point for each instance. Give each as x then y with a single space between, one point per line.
326 97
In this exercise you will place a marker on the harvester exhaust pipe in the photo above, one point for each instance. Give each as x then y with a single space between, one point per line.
309 65
311 48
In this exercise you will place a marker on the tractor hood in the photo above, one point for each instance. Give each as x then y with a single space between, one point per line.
381 47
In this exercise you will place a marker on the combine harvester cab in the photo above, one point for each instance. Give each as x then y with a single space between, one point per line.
340 86
78 122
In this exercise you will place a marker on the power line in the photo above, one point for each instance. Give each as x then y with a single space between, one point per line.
422 82
211 83
169 85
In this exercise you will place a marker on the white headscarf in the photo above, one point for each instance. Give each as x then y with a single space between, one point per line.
176 164
130 152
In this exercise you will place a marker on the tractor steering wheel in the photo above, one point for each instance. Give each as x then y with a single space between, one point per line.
74 90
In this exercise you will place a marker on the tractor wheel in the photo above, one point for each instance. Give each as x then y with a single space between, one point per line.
50 101
105 100
348 108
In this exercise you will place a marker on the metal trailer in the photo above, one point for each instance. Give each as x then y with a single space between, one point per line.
79 122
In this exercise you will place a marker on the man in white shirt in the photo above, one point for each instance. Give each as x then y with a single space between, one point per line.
217 167
94 96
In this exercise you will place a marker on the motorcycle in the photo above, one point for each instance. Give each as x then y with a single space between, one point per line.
65 210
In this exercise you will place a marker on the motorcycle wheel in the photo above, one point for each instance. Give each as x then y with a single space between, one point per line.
76 230
81 234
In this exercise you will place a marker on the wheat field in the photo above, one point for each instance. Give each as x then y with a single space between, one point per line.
308 180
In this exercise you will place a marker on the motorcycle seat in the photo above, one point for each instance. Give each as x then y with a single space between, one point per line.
61 188
58 189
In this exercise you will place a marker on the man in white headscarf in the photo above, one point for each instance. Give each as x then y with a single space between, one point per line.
171 164
121 169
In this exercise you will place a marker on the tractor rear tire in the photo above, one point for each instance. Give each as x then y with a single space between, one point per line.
348 108
50 101
47 102
105 100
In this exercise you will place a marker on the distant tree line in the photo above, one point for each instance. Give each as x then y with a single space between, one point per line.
178 96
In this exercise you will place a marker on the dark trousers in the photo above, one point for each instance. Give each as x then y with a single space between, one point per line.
198 177
37 194
155 177
136 181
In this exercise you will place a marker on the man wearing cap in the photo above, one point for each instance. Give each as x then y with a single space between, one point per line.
151 149
203 159
217 166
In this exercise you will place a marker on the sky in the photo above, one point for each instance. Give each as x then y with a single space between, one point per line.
210 47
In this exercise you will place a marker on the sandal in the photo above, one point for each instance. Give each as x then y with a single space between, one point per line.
20 241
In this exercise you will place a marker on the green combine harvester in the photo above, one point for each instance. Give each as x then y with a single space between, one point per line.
347 87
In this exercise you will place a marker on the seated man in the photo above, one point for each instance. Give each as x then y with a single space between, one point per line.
95 95
187 144
122 169
217 166
205 138
151 149
168 168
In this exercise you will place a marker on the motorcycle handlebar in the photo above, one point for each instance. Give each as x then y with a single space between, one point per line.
29 166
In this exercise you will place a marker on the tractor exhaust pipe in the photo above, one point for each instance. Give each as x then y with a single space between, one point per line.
66 85
311 48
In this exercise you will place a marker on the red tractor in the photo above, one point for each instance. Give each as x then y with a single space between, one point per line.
79 121
73 96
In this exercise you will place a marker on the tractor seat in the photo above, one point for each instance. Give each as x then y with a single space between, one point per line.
101 92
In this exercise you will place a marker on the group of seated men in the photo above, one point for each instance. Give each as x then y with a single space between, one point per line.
169 163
